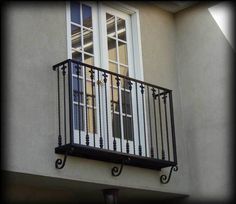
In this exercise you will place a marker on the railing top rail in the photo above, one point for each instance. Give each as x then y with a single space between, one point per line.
109 72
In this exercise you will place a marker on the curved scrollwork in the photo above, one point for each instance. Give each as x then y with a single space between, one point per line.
59 164
164 179
116 171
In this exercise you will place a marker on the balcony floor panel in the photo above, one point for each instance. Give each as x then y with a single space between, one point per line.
112 156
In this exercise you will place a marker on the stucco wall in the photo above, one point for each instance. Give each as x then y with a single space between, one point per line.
36 41
204 66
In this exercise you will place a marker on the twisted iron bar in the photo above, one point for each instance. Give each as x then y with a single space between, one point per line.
164 179
115 171
59 164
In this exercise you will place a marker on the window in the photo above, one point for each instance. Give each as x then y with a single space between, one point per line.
107 37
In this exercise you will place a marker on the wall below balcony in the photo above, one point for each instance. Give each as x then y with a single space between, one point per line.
36 35
204 66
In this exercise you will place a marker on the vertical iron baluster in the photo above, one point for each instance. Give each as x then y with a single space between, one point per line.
99 107
131 112
144 123
172 126
118 85
59 108
70 91
155 119
64 93
78 89
126 122
139 147
166 121
93 96
150 125
162 145
113 119
86 107
105 82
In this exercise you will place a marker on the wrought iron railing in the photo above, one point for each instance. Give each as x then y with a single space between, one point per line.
107 116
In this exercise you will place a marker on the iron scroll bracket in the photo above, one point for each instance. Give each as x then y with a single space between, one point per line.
164 179
116 171
59 164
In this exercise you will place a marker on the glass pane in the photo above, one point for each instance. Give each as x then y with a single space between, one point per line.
78 86
112 49
88 41
87 16
75 12
90 97
123 53
113 67
128 129
126 102
88 59
111 30
121 30
124 72
78 57
115 101
91 120
116 125
76 36
78 117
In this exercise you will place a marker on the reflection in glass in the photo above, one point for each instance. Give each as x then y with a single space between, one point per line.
78 117
88 41
75 11
123 53
113 67
110 19
91 119
121 30
90 97
124 72
78 57
126 101
115 101
88 60
112 49
127 124
75 90
87 16
76 37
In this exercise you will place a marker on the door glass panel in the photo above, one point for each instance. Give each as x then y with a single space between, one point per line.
123 57
126 102
127 123
112 49
78 57
77 87
88 60
111 29
88 41
76 37
121 30
113 67
91 120
78 117
87 16
116 126
75 12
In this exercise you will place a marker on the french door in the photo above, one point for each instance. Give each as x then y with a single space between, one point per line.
102 36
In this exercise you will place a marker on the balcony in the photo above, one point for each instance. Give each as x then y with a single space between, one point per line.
110 117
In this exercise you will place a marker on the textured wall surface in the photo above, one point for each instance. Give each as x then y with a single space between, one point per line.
204 66
37 40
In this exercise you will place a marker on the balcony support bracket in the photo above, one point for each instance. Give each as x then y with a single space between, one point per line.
59 164
164 179
115 171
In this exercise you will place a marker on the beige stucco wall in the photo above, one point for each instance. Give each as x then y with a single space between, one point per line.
36 41
204 67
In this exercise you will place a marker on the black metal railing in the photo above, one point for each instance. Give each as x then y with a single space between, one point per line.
107 112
